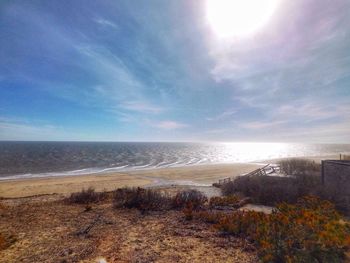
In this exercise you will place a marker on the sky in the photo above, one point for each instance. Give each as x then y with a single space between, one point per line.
155 70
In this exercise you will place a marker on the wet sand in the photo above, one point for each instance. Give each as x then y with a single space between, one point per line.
191 175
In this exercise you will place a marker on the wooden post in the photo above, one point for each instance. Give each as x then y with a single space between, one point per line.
322 171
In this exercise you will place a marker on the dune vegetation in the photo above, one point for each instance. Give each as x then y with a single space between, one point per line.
157 225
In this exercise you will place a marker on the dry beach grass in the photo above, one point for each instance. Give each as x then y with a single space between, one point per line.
160 224
49 230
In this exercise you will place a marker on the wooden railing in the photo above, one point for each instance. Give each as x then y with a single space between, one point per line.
259 171
265 170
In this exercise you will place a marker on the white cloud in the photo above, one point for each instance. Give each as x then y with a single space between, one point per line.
286 44
120 89
258 125
169 125
117 80
224 115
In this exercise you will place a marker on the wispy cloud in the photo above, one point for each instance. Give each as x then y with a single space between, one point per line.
223 116
311 111
259 125
286 43
142 107
320 133
105 22
169 125
124 68
116 80
15 130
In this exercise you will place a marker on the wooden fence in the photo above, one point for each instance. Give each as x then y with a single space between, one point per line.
336 173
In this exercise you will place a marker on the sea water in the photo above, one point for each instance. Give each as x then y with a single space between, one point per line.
41 159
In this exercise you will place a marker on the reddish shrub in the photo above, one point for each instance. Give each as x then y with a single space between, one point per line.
142 199
196 198
309 231
2 242
188 211
211 217
2 206
6 241
231 200
86 197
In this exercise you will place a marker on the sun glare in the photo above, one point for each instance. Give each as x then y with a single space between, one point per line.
236 18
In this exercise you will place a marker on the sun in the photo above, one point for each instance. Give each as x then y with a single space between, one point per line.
238 18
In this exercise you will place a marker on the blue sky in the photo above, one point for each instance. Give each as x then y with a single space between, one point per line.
154 70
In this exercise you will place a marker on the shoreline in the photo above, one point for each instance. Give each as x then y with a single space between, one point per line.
103 171
95 171
191 175
202 175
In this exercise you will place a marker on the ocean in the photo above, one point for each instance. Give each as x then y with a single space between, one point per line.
42 159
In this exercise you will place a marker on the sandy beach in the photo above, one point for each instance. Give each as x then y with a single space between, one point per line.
200 175
189 175
100 232
119 235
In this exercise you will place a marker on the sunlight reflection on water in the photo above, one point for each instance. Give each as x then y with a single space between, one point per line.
255 151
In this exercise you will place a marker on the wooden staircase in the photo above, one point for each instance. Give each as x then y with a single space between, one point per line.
269 169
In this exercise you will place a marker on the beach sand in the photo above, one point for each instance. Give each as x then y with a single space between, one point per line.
190 175
200 175
99 233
